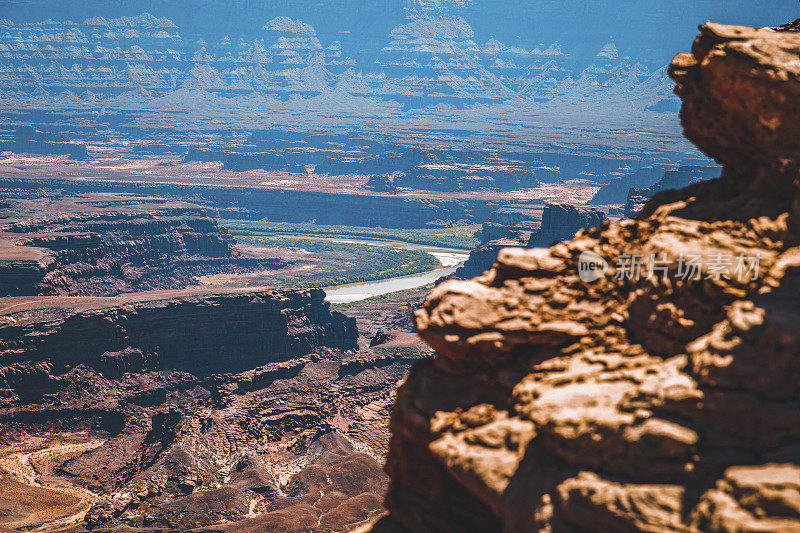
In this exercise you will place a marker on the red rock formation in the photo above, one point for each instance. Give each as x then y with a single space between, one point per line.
660 403
558 222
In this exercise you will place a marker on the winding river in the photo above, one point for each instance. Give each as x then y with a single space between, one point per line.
450 258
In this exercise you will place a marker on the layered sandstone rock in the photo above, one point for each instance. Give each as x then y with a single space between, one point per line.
632 403
109 244
409 55
106 251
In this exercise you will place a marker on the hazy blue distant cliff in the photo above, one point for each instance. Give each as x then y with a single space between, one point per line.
513 61
652 28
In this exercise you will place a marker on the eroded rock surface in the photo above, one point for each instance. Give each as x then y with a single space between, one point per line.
633 403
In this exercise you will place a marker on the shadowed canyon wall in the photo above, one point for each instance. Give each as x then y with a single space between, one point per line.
242 410
559 222
202 335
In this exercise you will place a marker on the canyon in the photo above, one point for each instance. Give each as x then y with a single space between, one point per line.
429 59
426 69
221 229
135 394
184 409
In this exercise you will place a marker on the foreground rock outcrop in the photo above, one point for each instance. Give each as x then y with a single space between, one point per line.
660 396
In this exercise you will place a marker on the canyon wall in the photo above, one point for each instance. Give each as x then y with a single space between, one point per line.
650 398
204 335
134 59
517 75
558 222
289 205
105 245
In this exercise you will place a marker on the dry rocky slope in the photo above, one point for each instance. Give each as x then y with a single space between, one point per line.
656 404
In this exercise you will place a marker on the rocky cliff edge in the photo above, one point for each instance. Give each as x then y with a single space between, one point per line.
658 400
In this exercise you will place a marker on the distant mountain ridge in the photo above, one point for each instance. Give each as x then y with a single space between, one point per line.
633 23
413 60
426 60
